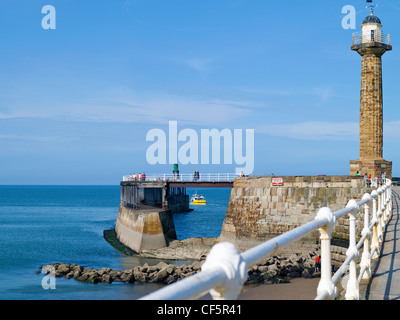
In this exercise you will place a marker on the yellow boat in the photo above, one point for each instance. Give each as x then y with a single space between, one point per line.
196 199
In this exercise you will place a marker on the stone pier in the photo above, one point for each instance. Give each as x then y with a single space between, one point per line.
145 219
258 211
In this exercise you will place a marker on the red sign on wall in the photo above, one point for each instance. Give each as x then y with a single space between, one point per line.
277 181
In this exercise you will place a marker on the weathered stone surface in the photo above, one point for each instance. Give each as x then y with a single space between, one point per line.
144 229
188 249
371 114
250 219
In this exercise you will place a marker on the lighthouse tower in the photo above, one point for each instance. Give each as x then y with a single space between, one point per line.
371 44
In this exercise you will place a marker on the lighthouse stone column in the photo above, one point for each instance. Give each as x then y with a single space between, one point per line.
371 45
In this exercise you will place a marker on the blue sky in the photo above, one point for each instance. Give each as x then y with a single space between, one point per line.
76 102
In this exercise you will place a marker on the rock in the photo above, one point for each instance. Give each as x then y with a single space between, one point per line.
127 277
307 274
196 266
160 276
161 265
170 279
170 269
93 278
256 277
63 268
104 271
152 269
59 274
115 274
78 268
106 278
83 277
293 258
294 274
263 269
187 274
140 277
183 268
144 268
273 269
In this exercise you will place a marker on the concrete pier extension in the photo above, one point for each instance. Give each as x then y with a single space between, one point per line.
145 219
144 229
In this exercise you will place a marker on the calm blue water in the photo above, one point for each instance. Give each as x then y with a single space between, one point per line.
46 224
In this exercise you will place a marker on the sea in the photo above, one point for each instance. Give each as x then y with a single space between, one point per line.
41 225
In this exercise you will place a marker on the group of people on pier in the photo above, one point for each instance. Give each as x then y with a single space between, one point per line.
196 175
137 177
378 181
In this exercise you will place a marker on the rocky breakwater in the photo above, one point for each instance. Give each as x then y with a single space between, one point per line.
275 269
160 273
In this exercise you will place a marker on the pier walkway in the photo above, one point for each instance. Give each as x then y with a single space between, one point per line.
385 281
187 180
184 177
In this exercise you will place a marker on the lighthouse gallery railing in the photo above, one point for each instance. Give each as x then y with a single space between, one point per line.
381 37
225 269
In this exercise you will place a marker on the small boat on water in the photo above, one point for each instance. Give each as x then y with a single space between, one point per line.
197 199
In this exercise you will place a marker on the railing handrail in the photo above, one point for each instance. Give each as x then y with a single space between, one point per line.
184 177
222 273
381 37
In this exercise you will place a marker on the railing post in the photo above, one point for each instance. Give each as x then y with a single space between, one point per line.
326 284
226 256
390 198
379 215
387 202
375 221
384 216
352 290
365 259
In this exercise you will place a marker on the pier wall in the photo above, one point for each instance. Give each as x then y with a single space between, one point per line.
258 211
144 229
145 219
178 200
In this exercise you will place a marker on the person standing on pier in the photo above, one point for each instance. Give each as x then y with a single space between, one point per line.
317 263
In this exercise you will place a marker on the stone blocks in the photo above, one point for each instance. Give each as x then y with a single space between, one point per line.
258 211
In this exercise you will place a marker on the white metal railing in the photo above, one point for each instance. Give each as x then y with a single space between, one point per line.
381 37
225 269
186 177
